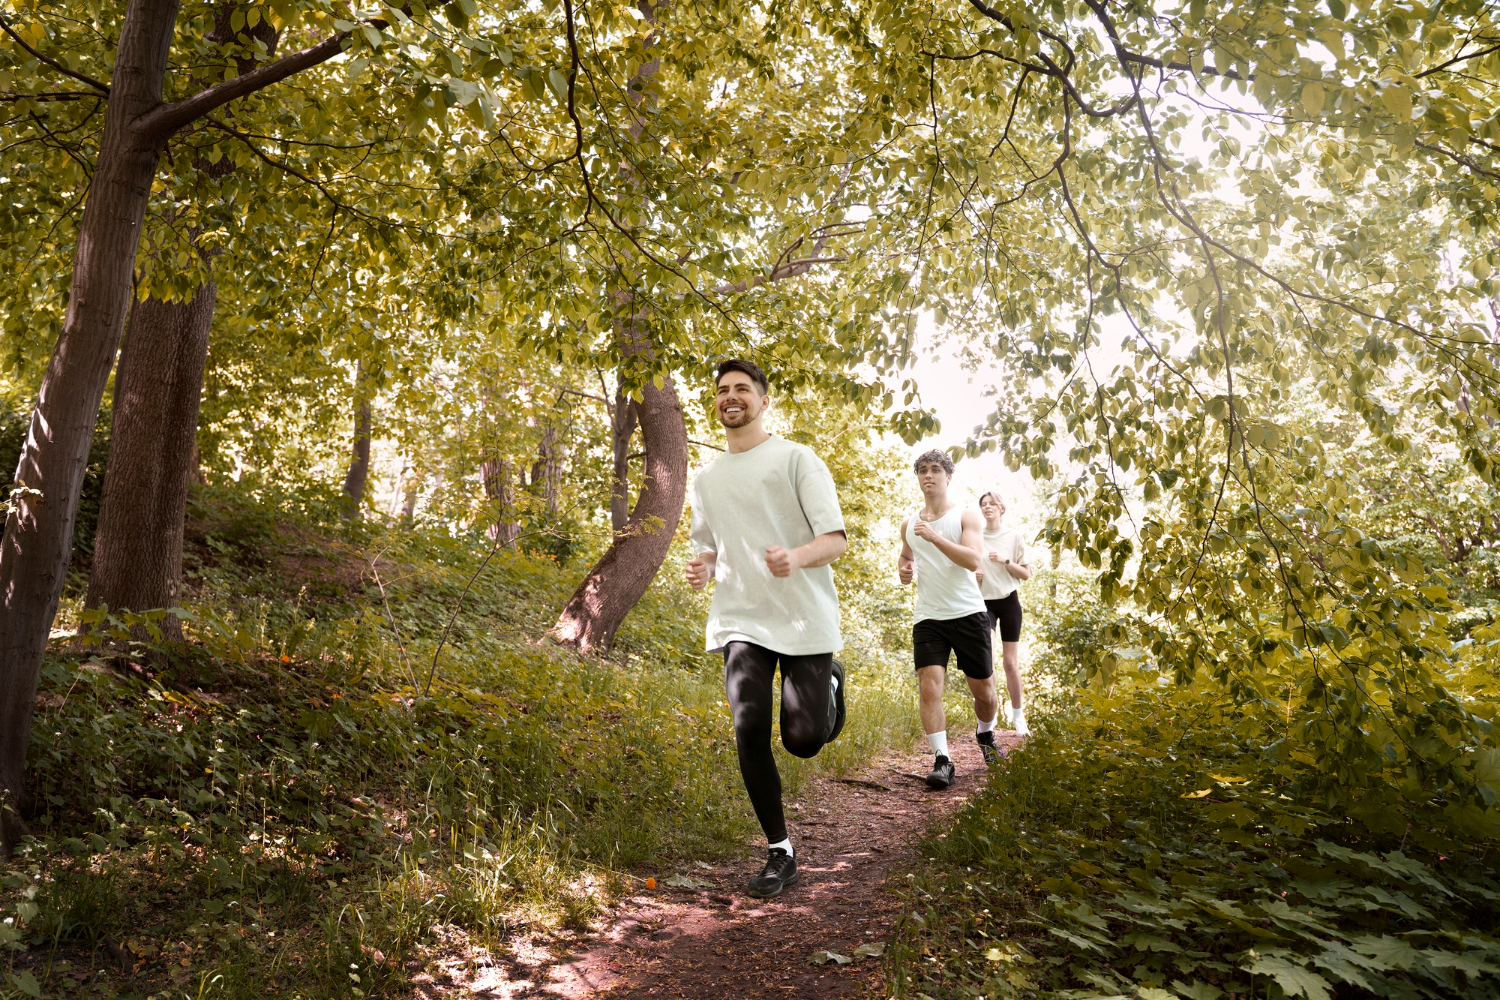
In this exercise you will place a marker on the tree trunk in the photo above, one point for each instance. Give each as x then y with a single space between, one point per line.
39 529
622 425
497 489
153 454
412 489
598 607
359 464
138 545
546 471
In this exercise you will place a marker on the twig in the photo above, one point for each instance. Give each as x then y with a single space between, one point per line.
400 643
103 88
499 544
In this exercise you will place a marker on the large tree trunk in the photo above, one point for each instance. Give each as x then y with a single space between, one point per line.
359 462
39 529
622 427
598 607
138 547
154 451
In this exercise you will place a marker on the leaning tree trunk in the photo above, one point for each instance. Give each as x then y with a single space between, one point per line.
598 607
39 528
138 547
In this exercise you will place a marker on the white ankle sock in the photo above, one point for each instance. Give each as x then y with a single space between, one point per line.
784 845
985 727
1017 714
939 743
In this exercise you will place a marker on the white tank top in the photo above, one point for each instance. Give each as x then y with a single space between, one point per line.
945 590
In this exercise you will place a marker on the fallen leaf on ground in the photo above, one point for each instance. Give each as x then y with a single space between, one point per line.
651 883
825 956
873 949
688 882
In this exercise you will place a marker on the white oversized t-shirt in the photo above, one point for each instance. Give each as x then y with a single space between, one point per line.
998 582
777 493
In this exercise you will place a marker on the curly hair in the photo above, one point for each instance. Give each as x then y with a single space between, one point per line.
935 455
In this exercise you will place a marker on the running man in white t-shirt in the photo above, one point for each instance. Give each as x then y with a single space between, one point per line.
766 526
940 546
1003 569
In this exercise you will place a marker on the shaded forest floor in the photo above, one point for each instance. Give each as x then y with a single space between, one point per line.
697 934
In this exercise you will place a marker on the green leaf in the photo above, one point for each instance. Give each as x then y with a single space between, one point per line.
1313 96
26 983
1294 979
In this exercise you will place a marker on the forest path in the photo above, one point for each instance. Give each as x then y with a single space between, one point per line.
698 935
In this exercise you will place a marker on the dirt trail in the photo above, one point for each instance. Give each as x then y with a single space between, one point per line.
708 939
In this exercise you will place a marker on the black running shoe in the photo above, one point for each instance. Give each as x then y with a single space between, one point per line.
986 743
942 773
780 872
836 710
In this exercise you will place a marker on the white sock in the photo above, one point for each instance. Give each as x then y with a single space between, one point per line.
939 743
783 845
1017 715
985 727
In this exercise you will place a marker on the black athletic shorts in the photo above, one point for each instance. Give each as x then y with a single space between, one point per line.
1006 612
968 638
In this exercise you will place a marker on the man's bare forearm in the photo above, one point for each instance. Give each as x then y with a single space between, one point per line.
821 550
957 552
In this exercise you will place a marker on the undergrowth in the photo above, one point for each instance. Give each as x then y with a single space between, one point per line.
1157 846
292 802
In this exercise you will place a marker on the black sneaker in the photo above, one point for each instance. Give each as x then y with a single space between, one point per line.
836 710
780 872
986 743
942 773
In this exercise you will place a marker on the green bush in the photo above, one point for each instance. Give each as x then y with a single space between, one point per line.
1158 846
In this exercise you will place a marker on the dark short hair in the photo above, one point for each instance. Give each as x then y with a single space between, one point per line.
747 367
935 455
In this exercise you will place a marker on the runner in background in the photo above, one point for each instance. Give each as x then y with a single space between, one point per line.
941 548
1002 570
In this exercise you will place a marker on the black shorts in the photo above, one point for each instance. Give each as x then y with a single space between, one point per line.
968 638
1006 612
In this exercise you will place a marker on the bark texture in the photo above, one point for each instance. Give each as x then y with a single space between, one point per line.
622 420
39 528
598 607
498 491
152 459
359 461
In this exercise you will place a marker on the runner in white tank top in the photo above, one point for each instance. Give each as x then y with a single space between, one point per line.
945 590
941 548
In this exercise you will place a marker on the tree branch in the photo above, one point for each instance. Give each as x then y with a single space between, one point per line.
168 118
103 88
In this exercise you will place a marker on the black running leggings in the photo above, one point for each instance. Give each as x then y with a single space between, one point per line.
749 673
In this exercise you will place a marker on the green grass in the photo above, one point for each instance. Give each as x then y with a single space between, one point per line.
277 811
1154 846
